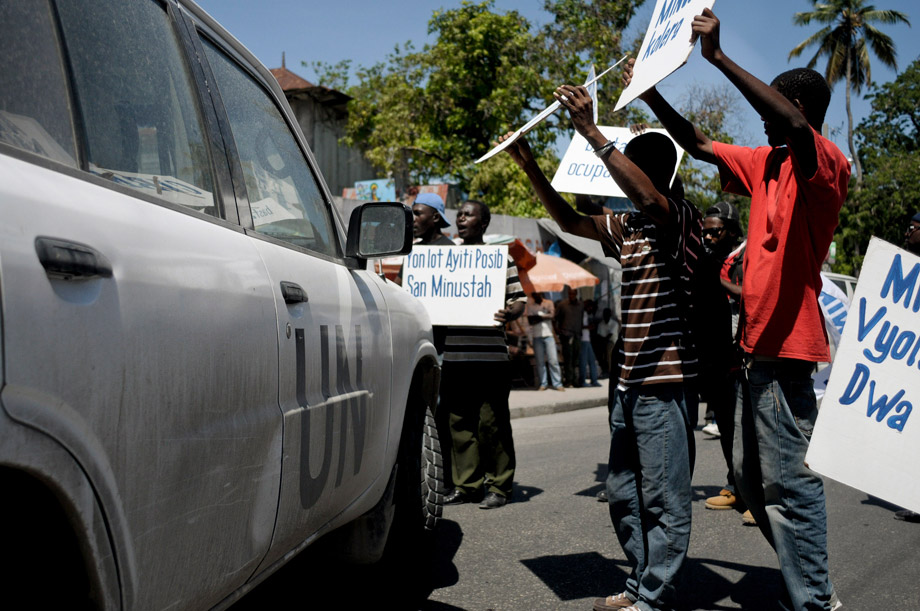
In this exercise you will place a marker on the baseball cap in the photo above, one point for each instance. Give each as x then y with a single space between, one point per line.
433 200
724 211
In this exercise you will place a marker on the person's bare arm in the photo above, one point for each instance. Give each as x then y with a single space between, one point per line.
687 135
569 220
784 116
510 313
635 184
731 288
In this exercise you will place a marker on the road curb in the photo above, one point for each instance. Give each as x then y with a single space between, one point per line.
527 411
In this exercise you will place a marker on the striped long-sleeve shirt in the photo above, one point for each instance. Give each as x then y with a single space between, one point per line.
658 263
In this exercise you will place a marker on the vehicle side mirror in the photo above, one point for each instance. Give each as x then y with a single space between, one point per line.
379 229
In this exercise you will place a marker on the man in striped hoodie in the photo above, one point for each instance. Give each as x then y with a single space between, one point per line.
655 402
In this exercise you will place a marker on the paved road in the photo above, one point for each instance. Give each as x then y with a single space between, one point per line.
553 548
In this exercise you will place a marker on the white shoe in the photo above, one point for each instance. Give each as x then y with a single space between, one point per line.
712 429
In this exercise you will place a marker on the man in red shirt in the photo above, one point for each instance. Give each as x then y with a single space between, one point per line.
796 185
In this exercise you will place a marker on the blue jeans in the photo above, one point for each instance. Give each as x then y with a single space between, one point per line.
648 486
544 353
773 426
586 361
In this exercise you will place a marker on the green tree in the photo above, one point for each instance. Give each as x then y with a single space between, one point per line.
427 115
583 33
423 115
844 40
889 146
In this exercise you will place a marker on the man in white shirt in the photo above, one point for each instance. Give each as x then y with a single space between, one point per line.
540 314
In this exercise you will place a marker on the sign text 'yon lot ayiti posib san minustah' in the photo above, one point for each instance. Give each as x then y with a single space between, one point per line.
459 285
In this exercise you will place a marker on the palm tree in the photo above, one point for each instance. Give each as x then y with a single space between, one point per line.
843 41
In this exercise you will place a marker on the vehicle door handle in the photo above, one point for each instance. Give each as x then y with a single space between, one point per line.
293 293
67 260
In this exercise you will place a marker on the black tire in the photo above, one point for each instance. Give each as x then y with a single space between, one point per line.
419 500
432 471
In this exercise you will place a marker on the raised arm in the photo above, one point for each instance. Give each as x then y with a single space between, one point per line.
569 220
784 117
637 186
688 136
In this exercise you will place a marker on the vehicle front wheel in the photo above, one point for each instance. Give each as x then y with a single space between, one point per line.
419 501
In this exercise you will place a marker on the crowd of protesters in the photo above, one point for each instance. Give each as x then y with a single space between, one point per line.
701 318
671 341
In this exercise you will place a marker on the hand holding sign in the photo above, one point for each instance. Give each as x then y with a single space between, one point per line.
706 27
518 148
578 102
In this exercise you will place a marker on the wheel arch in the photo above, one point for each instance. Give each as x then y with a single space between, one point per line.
56 521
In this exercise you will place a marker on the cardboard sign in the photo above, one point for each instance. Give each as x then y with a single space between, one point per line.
866 435
834 305
458 285
666 46
28 134
545 113
170 188
582 172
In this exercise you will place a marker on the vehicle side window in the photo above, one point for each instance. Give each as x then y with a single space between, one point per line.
135 94
34 105
285 200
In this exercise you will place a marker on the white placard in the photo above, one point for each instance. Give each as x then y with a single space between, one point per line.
545 113
582 172
459 285
666 46
866 435
834 305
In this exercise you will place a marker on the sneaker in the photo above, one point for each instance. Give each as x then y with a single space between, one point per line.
596 384
559 388
712 429
601 496
542 388
493 500
726 499
747 519
617 601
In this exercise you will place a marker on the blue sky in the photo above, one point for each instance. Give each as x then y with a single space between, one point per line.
757 35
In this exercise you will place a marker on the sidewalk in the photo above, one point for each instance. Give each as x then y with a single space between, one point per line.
525 402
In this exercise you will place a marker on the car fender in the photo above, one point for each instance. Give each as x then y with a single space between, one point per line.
413 352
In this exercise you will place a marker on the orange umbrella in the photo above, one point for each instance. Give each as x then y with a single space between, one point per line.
553 274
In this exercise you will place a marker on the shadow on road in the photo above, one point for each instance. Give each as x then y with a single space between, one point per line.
757 590
872 500
522 494
579 576
576 576
600 476
316 580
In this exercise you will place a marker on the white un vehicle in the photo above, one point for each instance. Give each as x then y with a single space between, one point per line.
198 376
